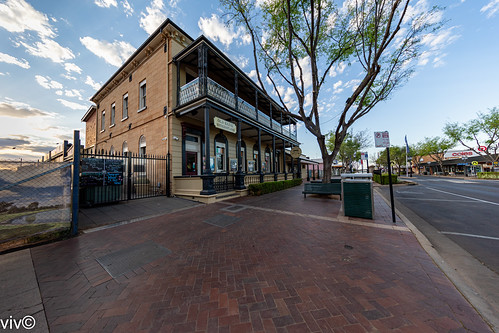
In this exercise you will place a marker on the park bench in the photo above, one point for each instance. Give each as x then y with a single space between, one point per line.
327 189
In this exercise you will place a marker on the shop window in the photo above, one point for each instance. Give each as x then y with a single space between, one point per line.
221 153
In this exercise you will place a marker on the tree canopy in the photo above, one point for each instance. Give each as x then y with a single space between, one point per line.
297 43
350 150
436 147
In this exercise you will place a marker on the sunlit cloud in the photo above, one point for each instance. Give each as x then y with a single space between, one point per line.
14 61
115 53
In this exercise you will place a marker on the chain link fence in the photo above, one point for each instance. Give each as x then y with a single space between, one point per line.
35 199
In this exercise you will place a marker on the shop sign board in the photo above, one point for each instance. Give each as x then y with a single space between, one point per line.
382 139
295 152
460 153
225 125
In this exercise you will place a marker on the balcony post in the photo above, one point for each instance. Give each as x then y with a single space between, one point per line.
178 83
256 104
239 177
208 177
274 169
313 171
292 163
236 91
281 121
270 113
202 69
260 155
284 160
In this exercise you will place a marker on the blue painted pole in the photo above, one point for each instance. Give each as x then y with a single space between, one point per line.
76 184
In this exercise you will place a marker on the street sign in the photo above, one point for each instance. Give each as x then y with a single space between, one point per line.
363 156
474 163
482 148
381 139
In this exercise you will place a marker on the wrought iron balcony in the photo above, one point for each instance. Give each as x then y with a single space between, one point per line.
191 91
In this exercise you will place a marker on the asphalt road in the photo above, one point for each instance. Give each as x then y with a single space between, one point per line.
464 210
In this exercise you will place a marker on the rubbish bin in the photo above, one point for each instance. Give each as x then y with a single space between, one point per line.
358 199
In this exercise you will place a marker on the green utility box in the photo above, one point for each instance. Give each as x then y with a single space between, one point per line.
96 195
358 199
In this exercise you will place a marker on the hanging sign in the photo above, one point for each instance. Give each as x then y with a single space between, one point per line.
382 139
224 125
295 152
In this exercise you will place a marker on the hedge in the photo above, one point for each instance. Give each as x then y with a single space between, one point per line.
488 175
269 187
384 180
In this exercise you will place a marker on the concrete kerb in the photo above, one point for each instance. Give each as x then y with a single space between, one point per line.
486 309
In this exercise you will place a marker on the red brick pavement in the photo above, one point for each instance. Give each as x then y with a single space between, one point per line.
271 271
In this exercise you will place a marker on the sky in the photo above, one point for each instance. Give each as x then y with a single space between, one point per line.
54 55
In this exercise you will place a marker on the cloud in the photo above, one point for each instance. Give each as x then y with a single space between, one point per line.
127 7
19 16
20 110
241 61
47 82
92 83
338 69
217 30
115 53
491 8
14 61
49 49
73 93
70 67
72 105
106 3
9 142
154 16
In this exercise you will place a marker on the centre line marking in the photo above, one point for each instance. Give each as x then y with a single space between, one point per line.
463 196
468 235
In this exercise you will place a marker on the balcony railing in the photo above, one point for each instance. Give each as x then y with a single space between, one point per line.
191 91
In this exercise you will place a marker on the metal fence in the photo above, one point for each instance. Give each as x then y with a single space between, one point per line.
34 198
106 178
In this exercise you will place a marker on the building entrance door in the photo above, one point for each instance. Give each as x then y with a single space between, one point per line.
192 155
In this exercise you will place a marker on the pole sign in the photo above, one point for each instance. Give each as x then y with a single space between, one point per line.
382 139
363 156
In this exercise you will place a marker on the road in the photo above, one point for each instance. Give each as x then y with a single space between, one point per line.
464 210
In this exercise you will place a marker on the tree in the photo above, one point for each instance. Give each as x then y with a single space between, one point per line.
436 148
483 131
349 151
397 157
300 41
417 154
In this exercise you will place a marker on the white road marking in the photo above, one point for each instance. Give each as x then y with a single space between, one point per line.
463 196
468 235
426 199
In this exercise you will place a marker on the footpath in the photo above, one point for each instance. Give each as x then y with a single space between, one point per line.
274 263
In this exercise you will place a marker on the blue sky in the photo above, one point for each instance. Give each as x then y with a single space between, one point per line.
54 55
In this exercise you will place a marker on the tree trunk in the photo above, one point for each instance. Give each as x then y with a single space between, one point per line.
327 159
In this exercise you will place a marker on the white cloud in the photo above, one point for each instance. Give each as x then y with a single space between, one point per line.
217 30
337 87
47 82
338 69
14 61
70 67
127 7
10 108
92 83
354 83
154 16
49 49
306 71
491 8
114 53
241 61
68 77
19 16
106 3
73 93
72 105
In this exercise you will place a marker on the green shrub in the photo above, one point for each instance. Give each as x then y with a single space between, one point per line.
488 175
269 187
384 180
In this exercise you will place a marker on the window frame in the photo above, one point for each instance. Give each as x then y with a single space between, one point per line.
142 95
124 116
112 119
103 121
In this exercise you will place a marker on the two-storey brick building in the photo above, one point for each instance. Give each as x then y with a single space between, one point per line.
184 98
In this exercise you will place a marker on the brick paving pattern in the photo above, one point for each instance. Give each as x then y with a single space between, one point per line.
287 264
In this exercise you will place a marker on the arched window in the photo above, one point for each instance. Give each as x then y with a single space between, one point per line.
142 146
111 150
124 148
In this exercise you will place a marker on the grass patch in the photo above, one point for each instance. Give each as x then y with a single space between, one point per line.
33 232
6 217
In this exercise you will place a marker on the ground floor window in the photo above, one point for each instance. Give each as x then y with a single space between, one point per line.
192 154
221 157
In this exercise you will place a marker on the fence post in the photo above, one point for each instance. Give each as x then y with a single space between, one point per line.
129 177
168 190
76 183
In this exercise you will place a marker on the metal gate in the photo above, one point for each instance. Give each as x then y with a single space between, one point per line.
107 178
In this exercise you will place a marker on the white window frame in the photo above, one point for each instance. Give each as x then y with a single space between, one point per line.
124 148
124 116
113 115
142 96
224 157
103 121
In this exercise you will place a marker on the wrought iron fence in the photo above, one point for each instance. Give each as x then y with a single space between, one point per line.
224 183
107 178
34 198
